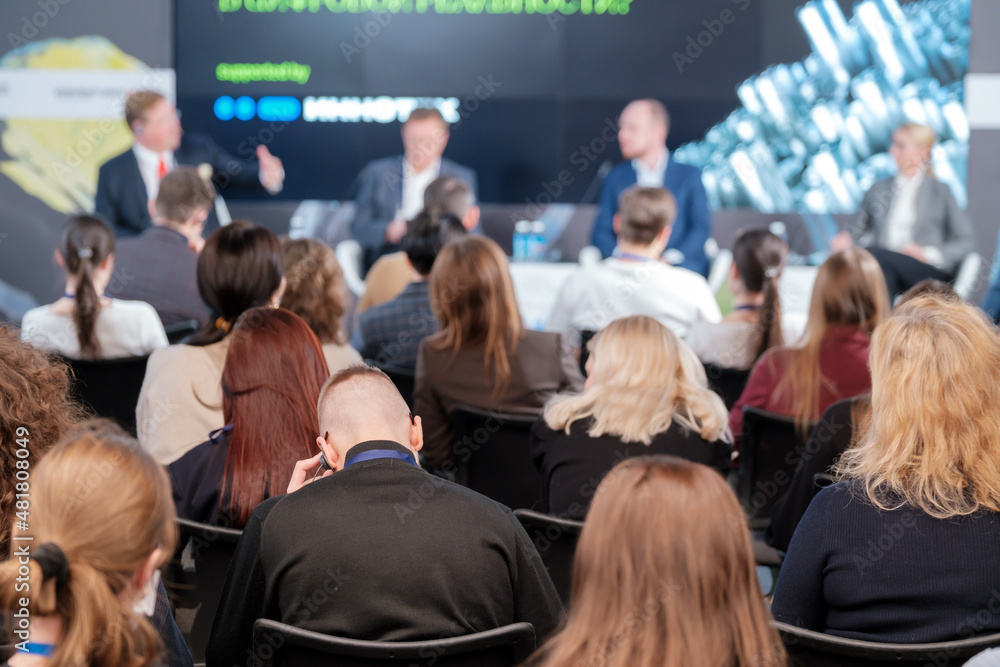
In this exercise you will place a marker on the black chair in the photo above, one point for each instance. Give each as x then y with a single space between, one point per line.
492 455
178 331
403 378
815 649
765 472
821 480
585 337
555 539
211 548
726 382
110 387
279 645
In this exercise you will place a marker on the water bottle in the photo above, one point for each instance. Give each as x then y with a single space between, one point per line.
537 243
522 239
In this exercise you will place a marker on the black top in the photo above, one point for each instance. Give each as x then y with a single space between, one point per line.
196 479
571 466
901 576
382 550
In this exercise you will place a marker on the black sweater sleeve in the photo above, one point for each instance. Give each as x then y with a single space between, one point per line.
536 600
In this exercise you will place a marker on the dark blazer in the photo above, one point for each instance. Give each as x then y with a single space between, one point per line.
572 465
940 222
693 225
121 193
390 333
380 193
538 370
196 479
382 550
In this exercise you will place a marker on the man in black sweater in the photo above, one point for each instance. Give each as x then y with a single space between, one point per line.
380 549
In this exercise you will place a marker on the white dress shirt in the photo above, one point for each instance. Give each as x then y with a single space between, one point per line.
647 177
414 184
149 167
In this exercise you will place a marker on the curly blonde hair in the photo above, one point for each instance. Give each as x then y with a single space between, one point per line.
315 289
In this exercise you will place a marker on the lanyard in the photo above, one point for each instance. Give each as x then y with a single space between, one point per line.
372 454
634 258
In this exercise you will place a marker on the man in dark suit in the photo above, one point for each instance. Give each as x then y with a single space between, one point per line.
642 136
391 190
379 549
127 182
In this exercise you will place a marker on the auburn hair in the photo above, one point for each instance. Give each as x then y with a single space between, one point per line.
315 289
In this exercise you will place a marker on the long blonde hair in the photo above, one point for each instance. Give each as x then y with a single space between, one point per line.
644 380
664 575
106 504
850 290
472 296
933 441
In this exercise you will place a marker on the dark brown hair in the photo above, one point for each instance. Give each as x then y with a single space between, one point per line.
759 257
138 103
182 192
315 288
645 212
84 244
426 235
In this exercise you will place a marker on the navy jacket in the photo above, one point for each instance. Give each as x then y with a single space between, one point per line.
692 227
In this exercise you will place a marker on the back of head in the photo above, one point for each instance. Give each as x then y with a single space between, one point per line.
100 507
239 268
315 289
759 257
934 438
645 212
85 242
360 403
929 287
449 194
693 601
273 373
426 235
183 192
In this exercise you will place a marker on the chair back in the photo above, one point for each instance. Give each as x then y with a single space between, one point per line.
279 645
178 331
765 472
403 378
555 539
110 387
493 457
726 382
585 337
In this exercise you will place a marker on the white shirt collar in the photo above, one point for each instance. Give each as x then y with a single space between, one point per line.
433 168
651 177
147 156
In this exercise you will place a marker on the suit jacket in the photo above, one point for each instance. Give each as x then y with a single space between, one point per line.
121 193
693 225
940 222
380 192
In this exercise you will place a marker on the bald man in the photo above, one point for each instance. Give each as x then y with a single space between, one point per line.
642 137
378 549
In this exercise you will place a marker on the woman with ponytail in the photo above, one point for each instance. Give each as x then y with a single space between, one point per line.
754 326
85 323
101 525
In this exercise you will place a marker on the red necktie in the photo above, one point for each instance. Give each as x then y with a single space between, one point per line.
161 171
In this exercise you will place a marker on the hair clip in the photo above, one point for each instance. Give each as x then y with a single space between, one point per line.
772 272
224 324
85 253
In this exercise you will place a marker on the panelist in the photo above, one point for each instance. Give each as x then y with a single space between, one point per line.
127 182
642 137
391 190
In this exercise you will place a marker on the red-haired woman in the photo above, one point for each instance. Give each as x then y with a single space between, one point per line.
270 384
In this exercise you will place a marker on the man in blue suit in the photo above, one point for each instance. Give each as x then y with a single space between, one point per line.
642 137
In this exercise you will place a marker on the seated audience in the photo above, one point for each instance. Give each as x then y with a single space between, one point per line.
453 564
272 377
483 356
181 398
84 323
645 393
848 299
755 325
390 333
160 265
664 576
390 274
634 281
316 292
101 525
904 551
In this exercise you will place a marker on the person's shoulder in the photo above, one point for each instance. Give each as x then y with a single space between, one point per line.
134 309
35 314
457 169
118 161
382 164
683 169
621 171
686 277
540 339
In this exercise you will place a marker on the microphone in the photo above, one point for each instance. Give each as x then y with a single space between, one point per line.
595 186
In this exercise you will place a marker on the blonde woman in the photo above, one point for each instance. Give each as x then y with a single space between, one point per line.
905 551
646 393
482 356
664 576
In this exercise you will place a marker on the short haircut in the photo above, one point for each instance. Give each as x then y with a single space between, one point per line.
645 212
138 103
449 194
425 113
426 235
182 192
372 397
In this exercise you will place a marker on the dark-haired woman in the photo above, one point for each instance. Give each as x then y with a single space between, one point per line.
85 324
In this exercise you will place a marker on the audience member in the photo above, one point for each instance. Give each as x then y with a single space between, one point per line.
646 393
904 551
405 556
160 265
390 274
84 323
391 190
642 137
316 292
634 281
270 383
848 299
483 356
664 575
181 398
755 324
390 333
